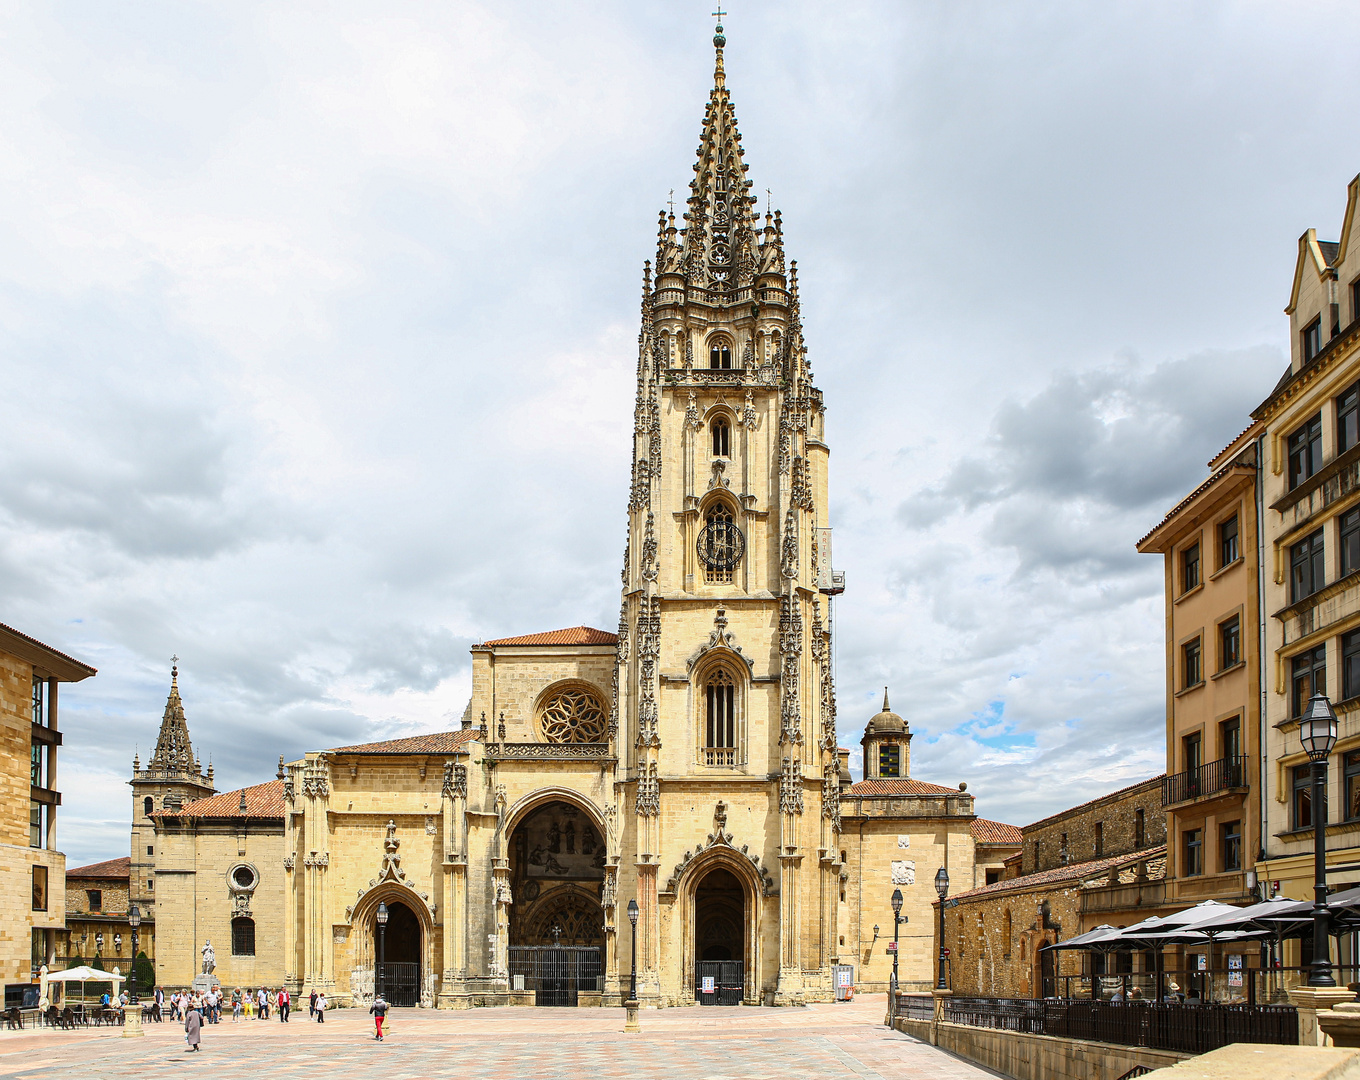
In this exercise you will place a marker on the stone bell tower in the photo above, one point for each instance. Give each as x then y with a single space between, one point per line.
171 778
725 708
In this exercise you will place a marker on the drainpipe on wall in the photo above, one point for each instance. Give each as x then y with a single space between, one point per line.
1261 794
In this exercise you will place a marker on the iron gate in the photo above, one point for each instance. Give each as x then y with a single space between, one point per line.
400 983
556 972
728 982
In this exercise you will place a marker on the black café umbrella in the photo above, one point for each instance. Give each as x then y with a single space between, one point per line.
1104 939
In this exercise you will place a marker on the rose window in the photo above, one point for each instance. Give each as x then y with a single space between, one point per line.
574 716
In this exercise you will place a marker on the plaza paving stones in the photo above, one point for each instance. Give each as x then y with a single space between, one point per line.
843 1040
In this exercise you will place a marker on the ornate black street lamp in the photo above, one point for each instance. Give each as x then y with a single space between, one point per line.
942 888
134 921
382 947
897 921
632 977
1317 731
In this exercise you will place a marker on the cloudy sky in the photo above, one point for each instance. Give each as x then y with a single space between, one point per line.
318 322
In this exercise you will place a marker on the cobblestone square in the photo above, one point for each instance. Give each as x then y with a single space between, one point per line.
691 1043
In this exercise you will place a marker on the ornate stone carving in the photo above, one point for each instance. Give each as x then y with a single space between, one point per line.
648 647
391 864
790 652
648 791
719 638
288 863
692 413
718 480
788 559
649 566
791 788
750 419
503 893
574 715
720 838
549 752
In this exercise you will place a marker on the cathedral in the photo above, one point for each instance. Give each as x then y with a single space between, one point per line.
666 802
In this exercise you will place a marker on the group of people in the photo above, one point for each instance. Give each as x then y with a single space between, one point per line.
258 1004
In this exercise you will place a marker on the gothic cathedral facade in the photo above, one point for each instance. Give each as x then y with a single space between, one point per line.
673 791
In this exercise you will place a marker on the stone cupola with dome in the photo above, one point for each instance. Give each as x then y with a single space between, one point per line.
887 745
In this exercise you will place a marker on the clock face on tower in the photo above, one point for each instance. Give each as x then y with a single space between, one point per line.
721 544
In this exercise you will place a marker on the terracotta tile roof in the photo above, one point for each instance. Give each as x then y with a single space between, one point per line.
262 801
900 787
436 742
986 831
575 635
110 868
1099 798
1060 874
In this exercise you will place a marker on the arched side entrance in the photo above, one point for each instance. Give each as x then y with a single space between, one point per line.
398 972
557 870
721 947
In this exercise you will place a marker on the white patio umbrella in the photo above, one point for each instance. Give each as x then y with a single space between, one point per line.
84 974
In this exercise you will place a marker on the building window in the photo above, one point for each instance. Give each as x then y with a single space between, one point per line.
242 936
1189 568
720 355
35 824
35 765
1305 451
1100 839
148 805
720 729
1006 931
1312 339
1350 541
1230 738
1139 829
1307 571
40 888
1230 844
1350 765
1192 852
1191 665
889 759
1350 665
720 432
1355 299
1348 418
1303 796
1229 642
1062 848
1228 550
1309 677
96 898
1192 757
150 850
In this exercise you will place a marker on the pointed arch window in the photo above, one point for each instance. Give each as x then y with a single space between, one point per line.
721 433
720 355
720 719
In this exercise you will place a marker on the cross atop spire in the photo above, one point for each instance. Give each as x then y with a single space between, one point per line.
173 749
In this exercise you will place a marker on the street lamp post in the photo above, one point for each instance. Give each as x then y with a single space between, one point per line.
1317 731
631 1005
892 988
132 1018
382 947
942 889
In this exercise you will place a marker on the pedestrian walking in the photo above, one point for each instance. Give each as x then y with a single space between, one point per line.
262 1004
236 1006
379 1011
321 1007
285 1004
311 1004
193 1022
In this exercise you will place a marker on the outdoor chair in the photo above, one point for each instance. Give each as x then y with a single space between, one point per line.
14 1019
68 1018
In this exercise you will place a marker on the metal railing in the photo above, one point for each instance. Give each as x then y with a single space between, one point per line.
1222 775
1184 1027
916 1006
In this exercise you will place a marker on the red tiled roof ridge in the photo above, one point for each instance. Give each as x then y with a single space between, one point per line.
1070 872
987 831
1091 802
899 786
109 868
434 742
572 635
262 801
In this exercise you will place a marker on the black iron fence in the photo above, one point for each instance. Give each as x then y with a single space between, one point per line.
916 1006
1185 1027
1221 775
557 973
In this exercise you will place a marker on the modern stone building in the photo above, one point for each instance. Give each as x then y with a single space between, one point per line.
1311 575
1212 792
32 870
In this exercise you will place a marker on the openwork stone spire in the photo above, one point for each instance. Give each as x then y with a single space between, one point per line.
173 749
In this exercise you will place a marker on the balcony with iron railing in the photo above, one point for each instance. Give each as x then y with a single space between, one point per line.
1225 774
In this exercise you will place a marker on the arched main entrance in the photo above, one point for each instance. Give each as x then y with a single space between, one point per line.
719 938
557 861
398 973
